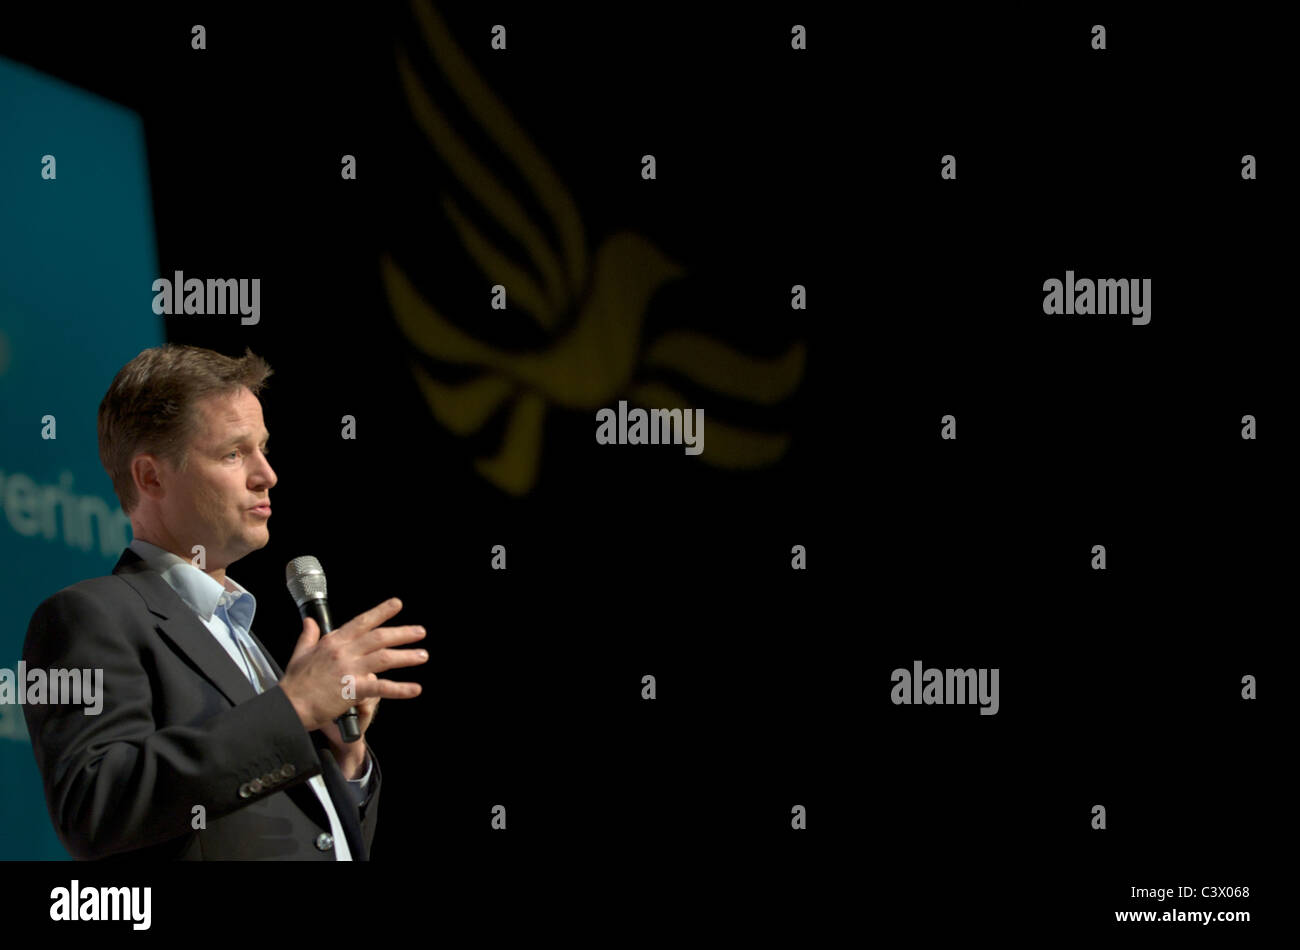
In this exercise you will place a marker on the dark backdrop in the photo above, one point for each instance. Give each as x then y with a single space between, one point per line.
925 298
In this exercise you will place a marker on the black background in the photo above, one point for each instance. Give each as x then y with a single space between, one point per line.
1119 687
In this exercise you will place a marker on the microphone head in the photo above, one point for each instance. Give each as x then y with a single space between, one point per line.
305 579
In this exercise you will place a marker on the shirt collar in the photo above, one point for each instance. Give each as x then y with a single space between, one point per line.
199 590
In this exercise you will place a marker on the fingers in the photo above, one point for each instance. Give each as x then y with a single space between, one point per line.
367 648
383 637
374 616
381 660
307 639
389 689
372 686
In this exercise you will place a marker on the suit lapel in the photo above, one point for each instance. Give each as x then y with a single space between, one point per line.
275 667
182 627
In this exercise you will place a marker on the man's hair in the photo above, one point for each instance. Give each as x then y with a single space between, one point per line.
152 406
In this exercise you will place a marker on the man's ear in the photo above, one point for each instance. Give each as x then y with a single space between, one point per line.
148 474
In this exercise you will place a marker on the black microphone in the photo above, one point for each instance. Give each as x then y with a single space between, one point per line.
306 581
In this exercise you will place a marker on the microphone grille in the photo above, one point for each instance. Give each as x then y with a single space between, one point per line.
305 579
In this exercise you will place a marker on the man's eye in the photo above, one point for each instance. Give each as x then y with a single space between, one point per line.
236 452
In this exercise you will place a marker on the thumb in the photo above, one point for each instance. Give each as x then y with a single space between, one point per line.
309 637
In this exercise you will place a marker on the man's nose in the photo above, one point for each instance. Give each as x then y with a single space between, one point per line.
265 474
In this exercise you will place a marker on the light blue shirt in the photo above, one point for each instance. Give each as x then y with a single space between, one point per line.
228 614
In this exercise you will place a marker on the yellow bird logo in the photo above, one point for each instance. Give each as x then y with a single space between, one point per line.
592 311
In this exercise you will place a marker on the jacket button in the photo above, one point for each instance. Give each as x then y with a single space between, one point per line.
324 842
245 791
270 778
255 786
288 770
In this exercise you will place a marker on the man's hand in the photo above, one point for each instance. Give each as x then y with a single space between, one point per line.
351 756
314 679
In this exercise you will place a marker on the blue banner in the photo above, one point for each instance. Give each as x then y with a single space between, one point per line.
77 259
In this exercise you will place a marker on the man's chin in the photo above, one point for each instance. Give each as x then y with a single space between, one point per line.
257 540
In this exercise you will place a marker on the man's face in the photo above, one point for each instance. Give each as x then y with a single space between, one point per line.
212 501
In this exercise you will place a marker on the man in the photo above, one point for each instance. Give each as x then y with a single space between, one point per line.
204 748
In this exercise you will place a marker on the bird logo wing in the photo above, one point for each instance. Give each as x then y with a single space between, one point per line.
588 309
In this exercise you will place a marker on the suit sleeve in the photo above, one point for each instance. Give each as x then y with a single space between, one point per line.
115 781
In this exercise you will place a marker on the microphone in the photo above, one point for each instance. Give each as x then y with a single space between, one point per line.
306 582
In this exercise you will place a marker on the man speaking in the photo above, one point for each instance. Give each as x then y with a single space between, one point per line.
204 748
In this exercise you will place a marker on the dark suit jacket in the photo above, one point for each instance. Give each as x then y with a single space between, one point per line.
181 726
